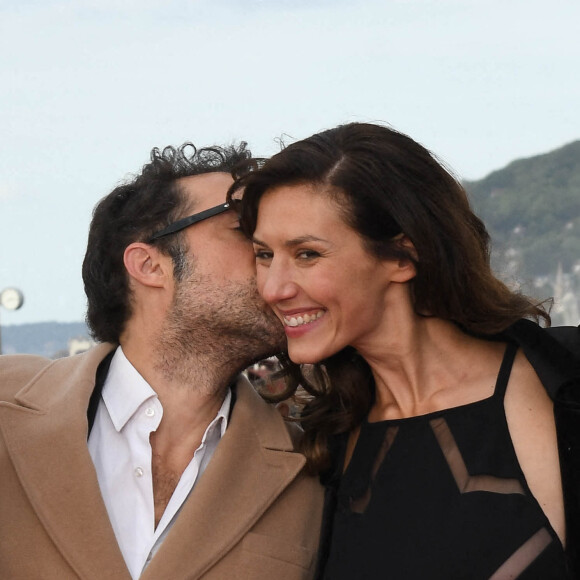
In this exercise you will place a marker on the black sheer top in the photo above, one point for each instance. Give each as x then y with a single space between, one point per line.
441 496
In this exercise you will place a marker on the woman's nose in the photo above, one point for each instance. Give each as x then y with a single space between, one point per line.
276 283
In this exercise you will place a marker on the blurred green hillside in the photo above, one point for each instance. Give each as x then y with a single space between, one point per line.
532 211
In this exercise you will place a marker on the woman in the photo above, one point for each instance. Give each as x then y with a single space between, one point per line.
431 425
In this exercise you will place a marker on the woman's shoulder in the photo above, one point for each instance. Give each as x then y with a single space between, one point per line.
525 388
554 353
530 417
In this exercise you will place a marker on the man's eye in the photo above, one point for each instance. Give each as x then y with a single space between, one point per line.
238 229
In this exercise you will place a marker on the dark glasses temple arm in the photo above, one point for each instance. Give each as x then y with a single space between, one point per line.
188 221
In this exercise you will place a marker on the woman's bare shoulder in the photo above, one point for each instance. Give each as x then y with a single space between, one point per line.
530 418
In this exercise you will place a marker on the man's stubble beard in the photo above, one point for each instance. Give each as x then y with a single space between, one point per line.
216 329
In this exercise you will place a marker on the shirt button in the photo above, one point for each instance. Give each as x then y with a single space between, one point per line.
150 411
138 472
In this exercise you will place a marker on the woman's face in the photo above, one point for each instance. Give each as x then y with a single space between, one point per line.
315 273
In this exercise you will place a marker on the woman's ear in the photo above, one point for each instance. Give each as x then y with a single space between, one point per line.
405 269
146 264
406 244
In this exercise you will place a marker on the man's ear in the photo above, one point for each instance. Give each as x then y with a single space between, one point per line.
146 264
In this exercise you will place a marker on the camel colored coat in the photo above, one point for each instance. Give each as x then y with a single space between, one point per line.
252 515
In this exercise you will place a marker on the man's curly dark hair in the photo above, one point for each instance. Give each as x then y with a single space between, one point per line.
132 212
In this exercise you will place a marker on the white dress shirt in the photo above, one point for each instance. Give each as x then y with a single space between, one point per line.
128 412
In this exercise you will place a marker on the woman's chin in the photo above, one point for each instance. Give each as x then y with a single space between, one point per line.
300 357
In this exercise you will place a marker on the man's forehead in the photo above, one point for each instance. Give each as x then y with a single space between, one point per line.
206 190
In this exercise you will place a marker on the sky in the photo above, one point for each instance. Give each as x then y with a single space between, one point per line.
89 87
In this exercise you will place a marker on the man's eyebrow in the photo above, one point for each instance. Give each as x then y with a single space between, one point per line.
291 243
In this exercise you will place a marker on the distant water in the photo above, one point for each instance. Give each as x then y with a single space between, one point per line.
48 339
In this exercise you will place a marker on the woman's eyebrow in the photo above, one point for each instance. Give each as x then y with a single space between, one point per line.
258 242
293 242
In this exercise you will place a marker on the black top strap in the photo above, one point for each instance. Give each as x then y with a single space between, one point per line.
505 370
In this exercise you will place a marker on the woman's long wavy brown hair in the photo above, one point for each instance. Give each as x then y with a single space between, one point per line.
386 184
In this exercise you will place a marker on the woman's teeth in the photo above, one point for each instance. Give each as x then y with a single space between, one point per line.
304 319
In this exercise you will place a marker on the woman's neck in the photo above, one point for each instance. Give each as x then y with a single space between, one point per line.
428 364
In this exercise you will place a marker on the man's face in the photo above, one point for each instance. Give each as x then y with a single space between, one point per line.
216 306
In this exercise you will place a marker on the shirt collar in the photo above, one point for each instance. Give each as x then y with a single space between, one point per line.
221 419
125 390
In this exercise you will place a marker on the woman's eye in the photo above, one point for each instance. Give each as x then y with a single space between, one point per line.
263 254
308 254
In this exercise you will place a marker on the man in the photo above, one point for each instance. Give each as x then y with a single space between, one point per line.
145 457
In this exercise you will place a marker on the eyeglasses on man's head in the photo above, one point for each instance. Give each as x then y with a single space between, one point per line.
189 221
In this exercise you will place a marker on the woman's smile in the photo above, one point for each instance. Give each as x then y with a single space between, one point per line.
302 319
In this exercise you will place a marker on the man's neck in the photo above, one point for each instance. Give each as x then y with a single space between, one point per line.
207 367
191 391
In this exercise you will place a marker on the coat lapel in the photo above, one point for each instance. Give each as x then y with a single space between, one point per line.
46 437
252 465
